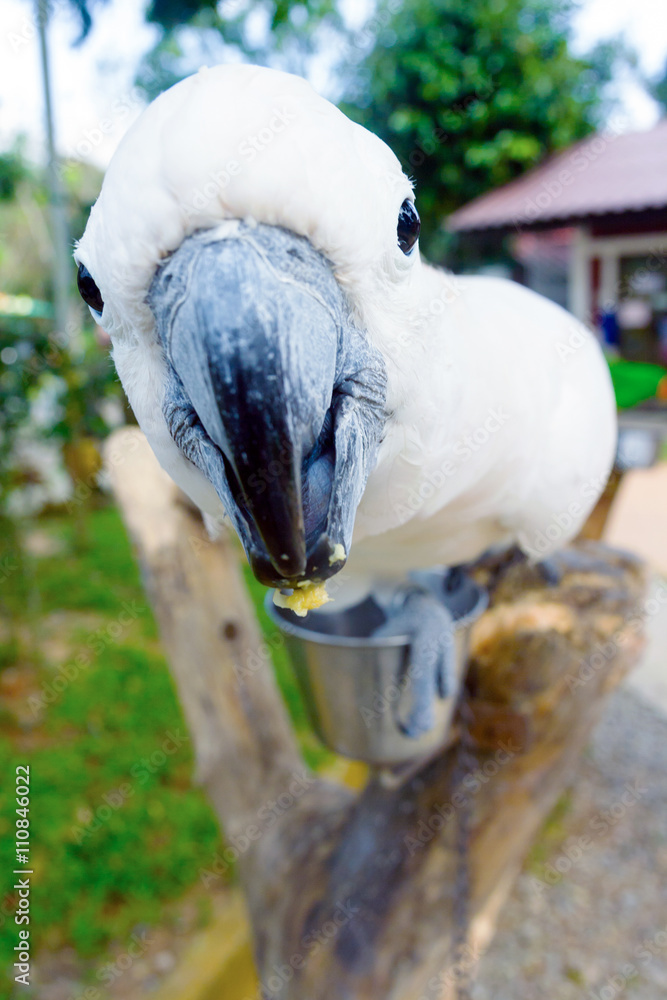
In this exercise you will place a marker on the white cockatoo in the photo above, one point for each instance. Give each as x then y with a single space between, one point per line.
296 365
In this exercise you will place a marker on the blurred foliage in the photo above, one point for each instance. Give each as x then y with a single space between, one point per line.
78 379
25 243
83 9
54 385
13 170
658 89
281 33
471 93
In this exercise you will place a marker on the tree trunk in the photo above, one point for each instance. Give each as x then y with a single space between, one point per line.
355 895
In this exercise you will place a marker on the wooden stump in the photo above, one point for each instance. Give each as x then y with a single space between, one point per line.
353 895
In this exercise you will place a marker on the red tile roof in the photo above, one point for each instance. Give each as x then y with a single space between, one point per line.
606 173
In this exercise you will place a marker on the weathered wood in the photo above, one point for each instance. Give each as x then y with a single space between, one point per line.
353 896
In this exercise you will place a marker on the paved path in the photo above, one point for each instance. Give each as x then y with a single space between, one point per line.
599 929
638 516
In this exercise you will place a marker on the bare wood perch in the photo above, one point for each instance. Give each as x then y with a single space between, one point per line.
351 896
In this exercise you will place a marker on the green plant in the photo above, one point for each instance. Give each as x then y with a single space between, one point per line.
471 93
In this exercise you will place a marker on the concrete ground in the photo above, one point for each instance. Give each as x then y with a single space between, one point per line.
638 522
650 679
638 517
588 918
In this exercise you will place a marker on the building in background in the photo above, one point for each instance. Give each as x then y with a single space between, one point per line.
589 230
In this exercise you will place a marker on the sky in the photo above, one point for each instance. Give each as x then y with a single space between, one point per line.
93 84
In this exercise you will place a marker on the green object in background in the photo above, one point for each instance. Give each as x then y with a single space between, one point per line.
24 305
634 382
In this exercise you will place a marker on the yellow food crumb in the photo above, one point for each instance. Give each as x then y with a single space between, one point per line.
338 554
306 597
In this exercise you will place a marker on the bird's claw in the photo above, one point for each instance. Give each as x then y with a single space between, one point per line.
550 571
431 672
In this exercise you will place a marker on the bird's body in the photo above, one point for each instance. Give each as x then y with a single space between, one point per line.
507 437
296 365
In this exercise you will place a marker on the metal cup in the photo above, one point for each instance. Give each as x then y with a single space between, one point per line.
357 687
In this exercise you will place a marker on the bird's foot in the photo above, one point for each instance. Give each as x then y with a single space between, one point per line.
431 674
572 560
590 557
497 564
551 571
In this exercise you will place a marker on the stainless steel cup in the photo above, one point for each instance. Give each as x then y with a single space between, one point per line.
357 687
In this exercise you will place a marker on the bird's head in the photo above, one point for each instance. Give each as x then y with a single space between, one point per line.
253 255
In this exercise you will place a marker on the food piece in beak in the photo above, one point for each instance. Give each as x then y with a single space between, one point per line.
304 598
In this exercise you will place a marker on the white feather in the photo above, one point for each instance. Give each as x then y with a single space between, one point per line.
502 422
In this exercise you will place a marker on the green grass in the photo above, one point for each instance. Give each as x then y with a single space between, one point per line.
89 749
97 575
107 730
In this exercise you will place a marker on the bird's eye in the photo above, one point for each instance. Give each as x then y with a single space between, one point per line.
408 226
88 290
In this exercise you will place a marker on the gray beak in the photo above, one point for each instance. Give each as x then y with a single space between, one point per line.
273 393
